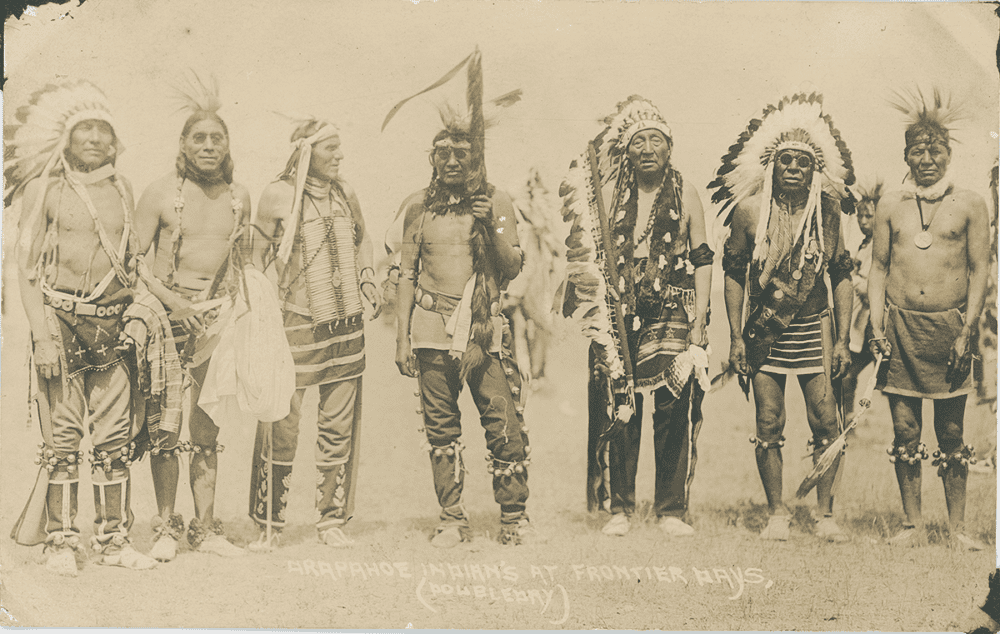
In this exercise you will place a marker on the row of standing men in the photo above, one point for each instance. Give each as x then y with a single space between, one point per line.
118 301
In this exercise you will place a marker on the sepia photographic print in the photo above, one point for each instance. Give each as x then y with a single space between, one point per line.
297 295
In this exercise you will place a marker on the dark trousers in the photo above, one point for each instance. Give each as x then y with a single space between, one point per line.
440 387
672 446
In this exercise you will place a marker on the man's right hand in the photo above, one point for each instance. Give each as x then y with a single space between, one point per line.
738 356
405 359
193 324
47 358
879 345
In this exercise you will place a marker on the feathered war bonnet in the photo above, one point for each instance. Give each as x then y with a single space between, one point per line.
200 101
465 127
795 123
35 146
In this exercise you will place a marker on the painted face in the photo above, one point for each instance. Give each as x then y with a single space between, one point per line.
793 171
866 215
325 160
649 151
928 162
91 143
452 164
206 145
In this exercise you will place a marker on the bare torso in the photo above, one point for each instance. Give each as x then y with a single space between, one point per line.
207 222
81 261
446 252
936 278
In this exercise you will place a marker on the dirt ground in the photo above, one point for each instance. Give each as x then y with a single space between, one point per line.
723 578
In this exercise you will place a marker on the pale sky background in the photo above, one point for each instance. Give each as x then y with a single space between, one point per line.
709 67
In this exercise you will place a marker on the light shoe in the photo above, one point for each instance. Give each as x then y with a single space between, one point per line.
961 541
908 537
674 526
165 549
335 537
827 528
618 526
61 561
263 544
448 537
777 528
127 557
219 545
523 533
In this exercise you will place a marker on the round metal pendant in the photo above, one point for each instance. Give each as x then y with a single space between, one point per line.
796 274
923 240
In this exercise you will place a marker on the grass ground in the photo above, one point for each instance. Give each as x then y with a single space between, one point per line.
723 578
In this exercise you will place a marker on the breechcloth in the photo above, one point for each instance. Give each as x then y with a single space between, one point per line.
336 450
613 462
440 387
202 428
921 344
801 349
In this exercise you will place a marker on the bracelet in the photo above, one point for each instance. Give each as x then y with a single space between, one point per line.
873 339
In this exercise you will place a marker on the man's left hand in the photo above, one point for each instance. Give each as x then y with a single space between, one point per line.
959 359
482 209
697 335
370 291
841 361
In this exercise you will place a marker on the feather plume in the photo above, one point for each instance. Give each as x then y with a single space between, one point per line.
196 95
936 108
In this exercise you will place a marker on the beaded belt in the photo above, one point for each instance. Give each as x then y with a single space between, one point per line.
83 308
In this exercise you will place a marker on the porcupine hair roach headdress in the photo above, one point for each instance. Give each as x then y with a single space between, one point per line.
200 100
468 126
927 120
34 145
795 123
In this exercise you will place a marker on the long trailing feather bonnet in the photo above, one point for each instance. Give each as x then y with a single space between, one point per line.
588 271
466 127
798 123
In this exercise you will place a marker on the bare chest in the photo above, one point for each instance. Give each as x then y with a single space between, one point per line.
944 221
70 214
447 232
201 217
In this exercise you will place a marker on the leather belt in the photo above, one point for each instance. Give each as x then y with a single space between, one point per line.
435 302
84 308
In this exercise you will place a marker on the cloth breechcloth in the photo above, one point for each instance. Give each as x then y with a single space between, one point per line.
802 348
676 399
921 344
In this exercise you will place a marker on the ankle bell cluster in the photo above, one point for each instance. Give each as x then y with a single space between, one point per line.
181 447
898 453
208 451
108 543
964 456
173 527
452 449
109 460
502 468
779 443
199 530
62 540
52 460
